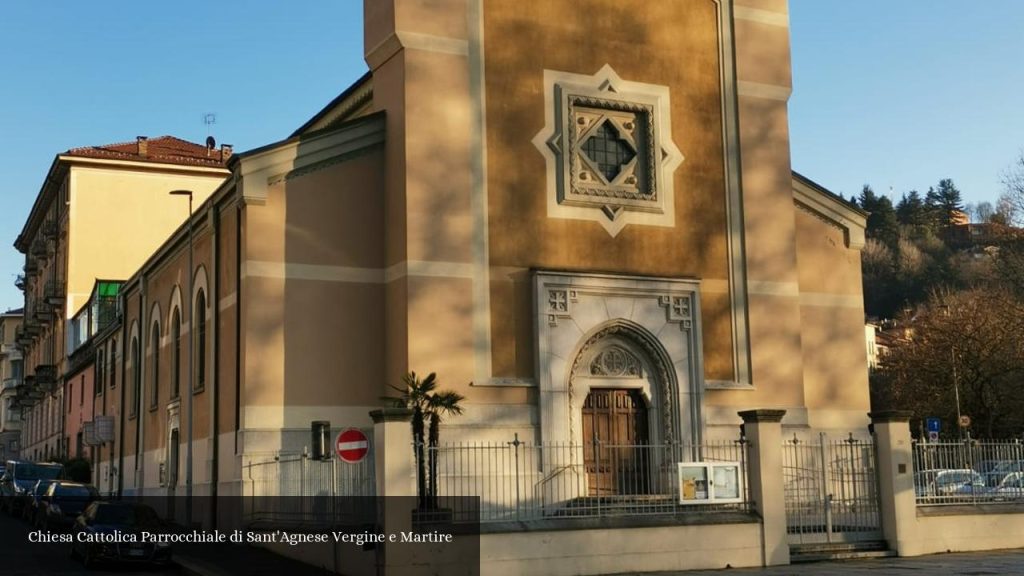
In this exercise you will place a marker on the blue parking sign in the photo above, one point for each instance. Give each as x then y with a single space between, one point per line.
933 424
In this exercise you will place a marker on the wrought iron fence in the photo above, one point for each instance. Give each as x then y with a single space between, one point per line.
968 472
519 481
831 489
290 488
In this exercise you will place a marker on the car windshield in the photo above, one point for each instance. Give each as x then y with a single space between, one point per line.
1008 466
74 491
38 471
121 515
956 478
125 515
42 485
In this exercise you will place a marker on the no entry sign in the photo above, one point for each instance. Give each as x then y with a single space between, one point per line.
352 446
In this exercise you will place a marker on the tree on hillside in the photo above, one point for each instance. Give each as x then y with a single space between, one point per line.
962 343
910 210
1011 202
1005 212
944 202
882 223
878 265
1008 265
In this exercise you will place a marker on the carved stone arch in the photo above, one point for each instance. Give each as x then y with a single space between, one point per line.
174 305
155 320
133 335
133 363
199 282
655 376
658 320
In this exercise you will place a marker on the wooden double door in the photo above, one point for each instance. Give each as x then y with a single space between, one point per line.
616 452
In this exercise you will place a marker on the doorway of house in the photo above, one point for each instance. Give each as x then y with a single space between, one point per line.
616 451
172 472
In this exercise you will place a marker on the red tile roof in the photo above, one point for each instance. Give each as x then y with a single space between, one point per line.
161 149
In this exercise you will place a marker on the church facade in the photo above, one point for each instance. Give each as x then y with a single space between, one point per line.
570 216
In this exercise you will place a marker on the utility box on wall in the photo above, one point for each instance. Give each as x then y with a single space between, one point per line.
321 441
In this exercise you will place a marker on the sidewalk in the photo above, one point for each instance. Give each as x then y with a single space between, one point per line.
1001 562
242 560
239 560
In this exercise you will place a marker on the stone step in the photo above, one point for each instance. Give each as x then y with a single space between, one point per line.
802 553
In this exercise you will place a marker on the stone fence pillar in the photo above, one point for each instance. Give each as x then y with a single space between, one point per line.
763 430
898 508
396 489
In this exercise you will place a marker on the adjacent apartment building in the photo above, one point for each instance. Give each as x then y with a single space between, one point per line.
11 374
100 212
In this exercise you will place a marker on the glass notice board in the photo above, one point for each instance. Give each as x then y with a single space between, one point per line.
710 482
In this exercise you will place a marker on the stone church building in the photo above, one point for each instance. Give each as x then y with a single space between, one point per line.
585 221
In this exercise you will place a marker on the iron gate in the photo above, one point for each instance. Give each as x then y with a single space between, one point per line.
831 489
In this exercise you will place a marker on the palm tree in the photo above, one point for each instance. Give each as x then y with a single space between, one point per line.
416 395
429 407
441 404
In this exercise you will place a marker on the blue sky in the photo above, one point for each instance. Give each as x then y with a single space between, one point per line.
897 94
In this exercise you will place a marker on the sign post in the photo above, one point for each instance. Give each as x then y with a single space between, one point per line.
352 446
933 425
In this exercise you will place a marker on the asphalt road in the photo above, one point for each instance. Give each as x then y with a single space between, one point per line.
19 557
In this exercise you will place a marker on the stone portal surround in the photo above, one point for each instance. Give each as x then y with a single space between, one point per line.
656 319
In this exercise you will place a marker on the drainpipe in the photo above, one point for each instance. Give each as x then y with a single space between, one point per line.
140 446
124 384
238 321
215 293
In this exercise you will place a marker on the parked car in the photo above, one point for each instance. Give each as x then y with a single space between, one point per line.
63 502
112 518
957 482
1001 470
1011 487
20 476
31 504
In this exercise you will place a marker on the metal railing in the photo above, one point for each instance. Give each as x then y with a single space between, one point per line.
289 488
519 481
968 472
831 489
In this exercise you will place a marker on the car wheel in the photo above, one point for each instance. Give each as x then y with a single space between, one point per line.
88 559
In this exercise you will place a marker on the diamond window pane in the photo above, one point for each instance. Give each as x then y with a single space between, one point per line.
608 150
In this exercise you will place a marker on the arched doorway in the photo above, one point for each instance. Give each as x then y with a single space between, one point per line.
616 453
624 410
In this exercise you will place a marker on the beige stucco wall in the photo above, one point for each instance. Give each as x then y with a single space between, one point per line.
102 245
524 40
313 298
832 318
611 551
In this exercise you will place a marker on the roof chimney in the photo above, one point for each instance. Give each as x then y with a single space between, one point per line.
142 141
225 152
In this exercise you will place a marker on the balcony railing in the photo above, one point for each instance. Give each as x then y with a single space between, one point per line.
46 377
49 229
54 293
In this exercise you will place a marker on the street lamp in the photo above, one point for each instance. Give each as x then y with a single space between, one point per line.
191 338
956 383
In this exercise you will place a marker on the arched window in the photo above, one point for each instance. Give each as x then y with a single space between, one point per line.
136 377
113 363
154 342
175 354
200 312
98 376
